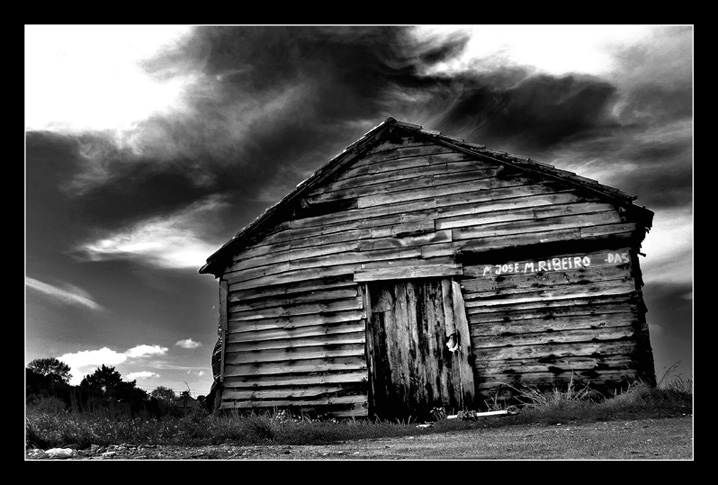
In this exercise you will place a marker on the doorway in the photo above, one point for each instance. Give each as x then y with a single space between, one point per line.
418 348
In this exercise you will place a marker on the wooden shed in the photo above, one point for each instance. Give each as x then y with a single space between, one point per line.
415 270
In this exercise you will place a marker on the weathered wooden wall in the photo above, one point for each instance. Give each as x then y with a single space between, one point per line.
548 322
295 313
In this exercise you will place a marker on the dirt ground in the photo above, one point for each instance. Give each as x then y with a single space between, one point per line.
639 439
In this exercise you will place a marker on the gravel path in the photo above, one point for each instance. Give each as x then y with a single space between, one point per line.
640 439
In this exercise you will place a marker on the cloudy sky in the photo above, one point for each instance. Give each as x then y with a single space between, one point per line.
148 147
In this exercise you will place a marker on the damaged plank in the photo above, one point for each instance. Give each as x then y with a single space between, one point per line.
408 272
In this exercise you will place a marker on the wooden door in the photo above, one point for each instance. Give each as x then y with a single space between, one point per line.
418 348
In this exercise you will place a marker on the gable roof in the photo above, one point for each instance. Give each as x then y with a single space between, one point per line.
354 150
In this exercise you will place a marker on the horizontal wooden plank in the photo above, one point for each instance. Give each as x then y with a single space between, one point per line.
552 337
333 260
452 216
303 353
288 240
297 341
561 311
402 233
537 213
279 332
559 366
405 242
454 204
307 297
557 350
294 321
437 191
297 288
298 231
384 153
294 254
299 393
408 272
385 172
416 182
313 379
581 287
282 403
608 229
295 310
523 295
418 228
528 226
296 367
541 279
406 262
502 326
560 381
405 209
550 308
527 237
291 276
491 243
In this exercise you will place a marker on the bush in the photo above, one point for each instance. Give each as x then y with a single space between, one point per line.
46 405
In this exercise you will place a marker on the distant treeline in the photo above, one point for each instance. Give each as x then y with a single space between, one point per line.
47 384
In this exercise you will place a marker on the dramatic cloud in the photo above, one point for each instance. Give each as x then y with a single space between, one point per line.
266 106
188 344
86 361
70 296
171 241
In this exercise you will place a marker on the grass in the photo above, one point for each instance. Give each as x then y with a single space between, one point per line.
670 397
48 425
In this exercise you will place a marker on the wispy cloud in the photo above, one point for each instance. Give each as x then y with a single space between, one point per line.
145 350
71 296
173 241
141 375
86 361
187 343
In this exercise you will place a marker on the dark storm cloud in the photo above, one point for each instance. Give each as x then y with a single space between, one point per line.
285 99
269 105
654 104
663 174
272 104
535 114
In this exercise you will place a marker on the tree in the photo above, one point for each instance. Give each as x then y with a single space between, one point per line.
164 394
103 381
107 383
166 400
55 370
47 378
